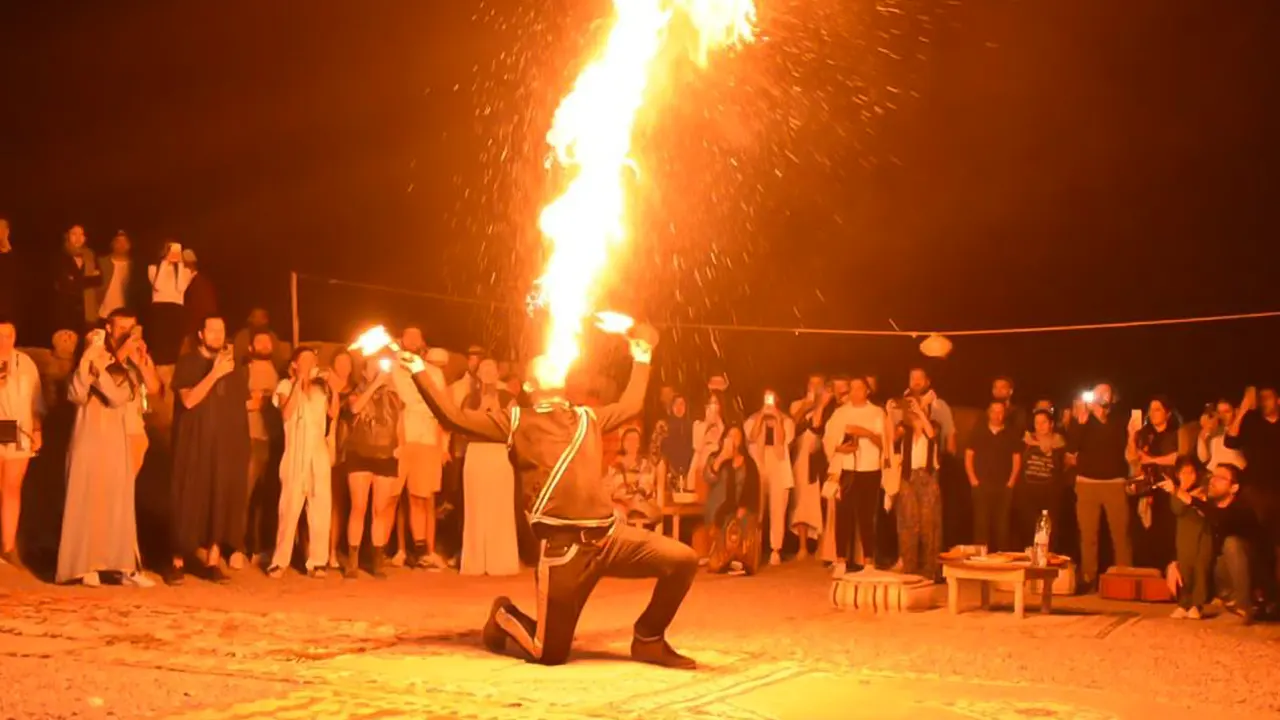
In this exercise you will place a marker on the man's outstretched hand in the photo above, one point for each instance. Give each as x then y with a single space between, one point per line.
644 338
412 362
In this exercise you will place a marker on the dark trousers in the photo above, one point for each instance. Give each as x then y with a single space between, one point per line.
1029 501
572 562
1233 571
991 504
856 513
263 503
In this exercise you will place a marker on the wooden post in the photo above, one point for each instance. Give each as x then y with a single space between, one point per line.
293 306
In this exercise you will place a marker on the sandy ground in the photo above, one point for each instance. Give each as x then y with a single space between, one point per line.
769 646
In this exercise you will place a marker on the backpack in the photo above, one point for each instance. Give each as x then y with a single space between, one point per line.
374 431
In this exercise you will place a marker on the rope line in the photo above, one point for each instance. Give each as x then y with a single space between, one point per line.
839 331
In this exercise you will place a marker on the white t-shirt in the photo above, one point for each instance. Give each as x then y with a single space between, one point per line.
868 456
420 424
113 295
20 400
169 282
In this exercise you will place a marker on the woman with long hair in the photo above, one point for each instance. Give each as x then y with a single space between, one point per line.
733 504
1155 449
632 478
169 277
371 451
341 382
489 545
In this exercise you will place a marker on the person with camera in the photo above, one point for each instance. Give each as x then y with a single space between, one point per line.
210 453
911 482
307 407
1236 539
854 441
1099 438
21 412
769 435
810 414
1189 575
99 525
1211 443
1255 431
373 444
1155 449
733 496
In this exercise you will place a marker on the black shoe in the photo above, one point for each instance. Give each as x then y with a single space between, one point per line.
351 568
379 563
215 574
658 652
174 576
495 638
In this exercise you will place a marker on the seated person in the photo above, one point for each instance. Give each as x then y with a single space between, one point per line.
733 505
632 479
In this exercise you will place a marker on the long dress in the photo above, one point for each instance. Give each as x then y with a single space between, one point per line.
304 476
489 541
210 483
99 527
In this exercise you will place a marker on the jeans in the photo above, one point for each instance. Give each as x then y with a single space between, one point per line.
1093 496
1232 572
573 561
856 513
991 504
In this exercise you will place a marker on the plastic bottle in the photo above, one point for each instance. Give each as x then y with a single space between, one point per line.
1040 551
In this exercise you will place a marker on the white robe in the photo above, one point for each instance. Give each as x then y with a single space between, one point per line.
304 476
489 518
776 478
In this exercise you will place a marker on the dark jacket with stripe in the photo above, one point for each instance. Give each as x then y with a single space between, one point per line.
558 449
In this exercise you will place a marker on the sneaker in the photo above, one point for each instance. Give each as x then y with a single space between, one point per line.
275 572
237 561
317 573
775 558
1193 613
838 570
139 580
494 637
1179 614
397 560
91 580
658 652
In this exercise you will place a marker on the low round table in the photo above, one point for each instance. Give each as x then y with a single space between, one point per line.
985 572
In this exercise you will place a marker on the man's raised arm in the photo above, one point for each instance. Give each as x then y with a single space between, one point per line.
644 339
480 425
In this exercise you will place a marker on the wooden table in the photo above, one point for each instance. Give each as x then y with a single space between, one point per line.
677 510
986 573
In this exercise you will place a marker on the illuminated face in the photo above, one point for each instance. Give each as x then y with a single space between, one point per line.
713 409
8 337
1226 413
816 384
1002 390
120 245
918 381
342 364
262 347
75 237
841 389
1221 485
995 414
412 340
858 391
631 444
679 407
473 362
305 364
1157 413
119 329
258 318
1186 477
1102 394
1267 400
214 334
1043 423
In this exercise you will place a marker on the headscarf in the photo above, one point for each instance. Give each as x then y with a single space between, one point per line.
677 446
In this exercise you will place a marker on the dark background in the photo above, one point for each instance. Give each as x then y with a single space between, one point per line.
985 163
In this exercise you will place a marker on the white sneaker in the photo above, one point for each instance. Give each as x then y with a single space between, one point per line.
91 580
838 569
775 558
398 559
1180 614
137 579
237 561
1193 613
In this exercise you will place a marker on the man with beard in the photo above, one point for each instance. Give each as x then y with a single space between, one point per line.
558 448
210 452
263 379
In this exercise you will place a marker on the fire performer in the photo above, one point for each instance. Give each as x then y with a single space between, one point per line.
557 447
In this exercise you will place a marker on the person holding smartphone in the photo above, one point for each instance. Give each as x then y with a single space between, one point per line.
169 278
1099 437
854 442
769 435
21 411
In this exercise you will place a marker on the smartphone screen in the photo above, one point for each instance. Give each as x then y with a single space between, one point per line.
1135 418
768 436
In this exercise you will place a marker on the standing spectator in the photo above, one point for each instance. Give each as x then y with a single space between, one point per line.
306 407
10 274
1043 485
1099 439
489 544
920 387
1194 545
992 462
707 434
769 436
421 459
210 452
126 334
99 525
1211 446
854 441
674 438
371 450
1256 433
76 282
1014 416
200 300
1155 448
917 445
263 418
117 277
810 415
169 278
341 382
21 405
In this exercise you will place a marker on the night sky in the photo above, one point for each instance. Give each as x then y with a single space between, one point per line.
946 165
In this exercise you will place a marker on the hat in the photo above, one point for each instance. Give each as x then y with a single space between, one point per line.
438 357
188 255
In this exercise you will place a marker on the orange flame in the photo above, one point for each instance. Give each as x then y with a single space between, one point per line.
591 135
